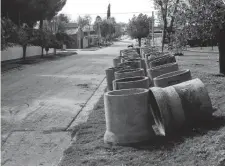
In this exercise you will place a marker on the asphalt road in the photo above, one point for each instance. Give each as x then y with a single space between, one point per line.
40 102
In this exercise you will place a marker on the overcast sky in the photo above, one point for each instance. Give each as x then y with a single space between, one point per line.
122 10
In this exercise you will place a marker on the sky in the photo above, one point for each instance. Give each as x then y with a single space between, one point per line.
122 10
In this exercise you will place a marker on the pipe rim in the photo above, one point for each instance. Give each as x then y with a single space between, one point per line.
131 79
172 74
162 57
130 92
163 66
129 70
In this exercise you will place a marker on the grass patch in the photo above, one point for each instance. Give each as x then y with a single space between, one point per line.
204 145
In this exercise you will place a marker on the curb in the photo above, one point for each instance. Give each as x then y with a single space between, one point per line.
198 51
83 115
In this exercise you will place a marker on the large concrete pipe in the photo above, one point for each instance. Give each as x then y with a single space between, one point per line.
166 109
109 78
172 78
186 103
163 69
110 75
162 60
129 73
134 82
116 62
133 64
195 100
127 115
143 65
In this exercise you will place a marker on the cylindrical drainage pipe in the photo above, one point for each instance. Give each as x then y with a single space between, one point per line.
172 78
166 109
143 65
186 103
128 119
133 64
128 83
129 73
116 61
110 75
163 69
195 100
162 60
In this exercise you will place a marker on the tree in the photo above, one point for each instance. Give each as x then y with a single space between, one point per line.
206 19
168 10
138 27
108 11
84 21
8 33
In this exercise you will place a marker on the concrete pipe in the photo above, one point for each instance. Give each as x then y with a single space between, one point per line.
166 109
187 103
128 83
109 78
133 64
172 78
195 100
127 116
163 69
162 60
110 75
116 61
129 73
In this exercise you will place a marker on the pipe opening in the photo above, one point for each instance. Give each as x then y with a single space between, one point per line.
172 74
128 70
156 113
127 92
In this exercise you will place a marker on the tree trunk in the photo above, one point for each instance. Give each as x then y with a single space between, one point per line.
139 41
221 47
24 52
42 52
41 24
41 28
54 51
163 38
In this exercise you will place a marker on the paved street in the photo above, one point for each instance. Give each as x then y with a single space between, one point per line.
41 101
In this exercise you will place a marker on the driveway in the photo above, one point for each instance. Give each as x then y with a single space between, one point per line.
41 101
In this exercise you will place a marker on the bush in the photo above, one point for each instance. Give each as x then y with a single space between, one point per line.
8 33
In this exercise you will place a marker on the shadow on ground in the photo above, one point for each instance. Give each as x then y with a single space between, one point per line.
12 64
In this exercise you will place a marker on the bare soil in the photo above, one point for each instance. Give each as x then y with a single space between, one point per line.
204 145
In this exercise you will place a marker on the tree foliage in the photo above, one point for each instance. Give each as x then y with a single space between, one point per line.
138 27
29 12
84 21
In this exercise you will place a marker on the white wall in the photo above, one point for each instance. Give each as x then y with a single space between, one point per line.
85 42
16 52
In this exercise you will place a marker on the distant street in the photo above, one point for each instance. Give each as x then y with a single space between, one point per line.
40 102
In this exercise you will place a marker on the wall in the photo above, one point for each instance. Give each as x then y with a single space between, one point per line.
16 52
85 42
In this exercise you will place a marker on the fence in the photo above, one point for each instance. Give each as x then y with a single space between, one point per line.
16 52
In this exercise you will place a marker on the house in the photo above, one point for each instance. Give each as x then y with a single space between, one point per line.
91 35
84 37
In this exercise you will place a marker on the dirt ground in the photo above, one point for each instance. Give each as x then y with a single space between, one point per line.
204 145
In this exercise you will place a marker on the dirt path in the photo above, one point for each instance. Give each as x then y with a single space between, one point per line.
201 146
41 101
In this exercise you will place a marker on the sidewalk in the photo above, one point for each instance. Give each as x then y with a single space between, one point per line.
204 49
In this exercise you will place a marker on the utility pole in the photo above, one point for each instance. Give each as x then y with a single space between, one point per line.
153 24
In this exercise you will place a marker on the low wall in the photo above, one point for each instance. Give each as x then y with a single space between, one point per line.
16 52
85 42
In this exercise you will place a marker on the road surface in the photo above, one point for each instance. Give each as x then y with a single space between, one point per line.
41 101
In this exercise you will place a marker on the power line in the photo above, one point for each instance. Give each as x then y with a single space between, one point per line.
114 13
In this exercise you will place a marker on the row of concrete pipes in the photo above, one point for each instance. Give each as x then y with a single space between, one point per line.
147 88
